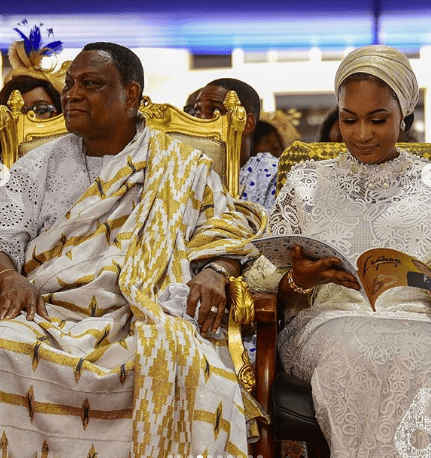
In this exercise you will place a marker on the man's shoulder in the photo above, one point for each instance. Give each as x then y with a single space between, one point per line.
58 146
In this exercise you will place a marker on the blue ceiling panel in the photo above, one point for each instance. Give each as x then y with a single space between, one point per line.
219 27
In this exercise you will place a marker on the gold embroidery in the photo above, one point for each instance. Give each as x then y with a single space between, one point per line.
92 453
45 450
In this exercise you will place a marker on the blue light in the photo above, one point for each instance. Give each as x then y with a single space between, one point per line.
219 33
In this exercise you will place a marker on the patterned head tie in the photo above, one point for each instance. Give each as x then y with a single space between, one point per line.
387 63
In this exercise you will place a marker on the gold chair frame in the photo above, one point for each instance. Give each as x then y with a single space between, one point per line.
220 137
226 131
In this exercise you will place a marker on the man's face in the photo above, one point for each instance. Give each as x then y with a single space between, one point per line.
210 98
94 100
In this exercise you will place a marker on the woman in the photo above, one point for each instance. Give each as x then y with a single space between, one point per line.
39 95
370 372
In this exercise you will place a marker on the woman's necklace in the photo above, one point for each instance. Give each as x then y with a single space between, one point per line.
381 175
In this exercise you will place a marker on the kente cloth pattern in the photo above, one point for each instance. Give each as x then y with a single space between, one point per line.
370 372
112 374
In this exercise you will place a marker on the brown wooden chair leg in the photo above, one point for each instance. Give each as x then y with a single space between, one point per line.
265 314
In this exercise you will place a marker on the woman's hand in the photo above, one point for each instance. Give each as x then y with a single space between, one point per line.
307 273
208 287
16 294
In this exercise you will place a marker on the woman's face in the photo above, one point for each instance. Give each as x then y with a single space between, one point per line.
370 119
39 99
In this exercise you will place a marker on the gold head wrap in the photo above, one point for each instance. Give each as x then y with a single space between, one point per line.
28 63
388 64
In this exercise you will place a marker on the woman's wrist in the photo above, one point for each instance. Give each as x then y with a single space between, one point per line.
294 286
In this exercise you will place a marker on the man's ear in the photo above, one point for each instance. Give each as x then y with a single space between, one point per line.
134 94
250 123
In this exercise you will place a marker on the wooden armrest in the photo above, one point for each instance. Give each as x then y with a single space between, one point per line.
265 307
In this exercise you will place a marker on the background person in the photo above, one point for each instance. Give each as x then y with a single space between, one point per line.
275 131
258 174
189 107
330 128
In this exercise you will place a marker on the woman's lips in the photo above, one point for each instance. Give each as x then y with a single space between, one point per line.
366 149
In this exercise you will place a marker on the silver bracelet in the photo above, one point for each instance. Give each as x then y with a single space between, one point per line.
294 286
219 269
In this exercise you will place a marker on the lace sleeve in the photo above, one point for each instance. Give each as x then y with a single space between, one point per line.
290 206
20 203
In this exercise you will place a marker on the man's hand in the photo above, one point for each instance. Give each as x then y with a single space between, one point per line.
16 294
208 287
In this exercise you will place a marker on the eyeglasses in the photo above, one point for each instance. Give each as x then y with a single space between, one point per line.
41 110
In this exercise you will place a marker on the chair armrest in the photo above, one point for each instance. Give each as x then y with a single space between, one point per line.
265 308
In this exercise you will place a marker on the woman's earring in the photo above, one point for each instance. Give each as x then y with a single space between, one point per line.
403 125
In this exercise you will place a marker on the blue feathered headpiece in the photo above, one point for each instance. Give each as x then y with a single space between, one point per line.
34 44
26 56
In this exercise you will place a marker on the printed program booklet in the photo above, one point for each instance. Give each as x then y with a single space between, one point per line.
377 270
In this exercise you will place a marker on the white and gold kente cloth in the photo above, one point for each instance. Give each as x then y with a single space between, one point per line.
113 375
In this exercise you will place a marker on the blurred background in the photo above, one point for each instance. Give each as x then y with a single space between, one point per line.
288 51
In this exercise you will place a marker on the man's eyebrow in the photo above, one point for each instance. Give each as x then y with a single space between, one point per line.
90 73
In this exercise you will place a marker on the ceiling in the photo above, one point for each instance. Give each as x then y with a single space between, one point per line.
219 27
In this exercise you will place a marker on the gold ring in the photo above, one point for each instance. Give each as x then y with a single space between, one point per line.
214 309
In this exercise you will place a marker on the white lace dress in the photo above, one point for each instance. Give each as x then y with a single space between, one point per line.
370 372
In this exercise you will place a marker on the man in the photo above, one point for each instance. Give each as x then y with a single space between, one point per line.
258 174
125 238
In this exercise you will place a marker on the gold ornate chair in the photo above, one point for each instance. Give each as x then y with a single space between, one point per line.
220 137
289 400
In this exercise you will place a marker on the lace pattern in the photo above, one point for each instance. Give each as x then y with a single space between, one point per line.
40 191
370 372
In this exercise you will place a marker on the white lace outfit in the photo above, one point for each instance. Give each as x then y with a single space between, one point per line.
370 372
